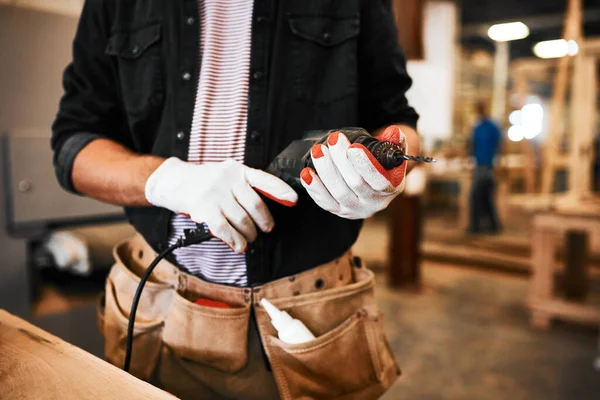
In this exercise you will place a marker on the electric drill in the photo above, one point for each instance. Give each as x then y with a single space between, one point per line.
290 162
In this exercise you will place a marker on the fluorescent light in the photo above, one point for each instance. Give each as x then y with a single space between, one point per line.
573 47
516 133
532 116
508 31
515 117
556 48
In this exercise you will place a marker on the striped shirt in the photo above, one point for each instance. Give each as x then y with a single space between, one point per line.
219 124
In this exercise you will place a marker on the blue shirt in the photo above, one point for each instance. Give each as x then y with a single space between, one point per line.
485 141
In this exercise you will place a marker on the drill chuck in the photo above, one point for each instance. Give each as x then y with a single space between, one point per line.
297 156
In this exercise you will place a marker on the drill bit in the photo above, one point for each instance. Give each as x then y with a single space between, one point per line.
401 156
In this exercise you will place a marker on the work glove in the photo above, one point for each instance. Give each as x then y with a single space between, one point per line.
349 182
222 195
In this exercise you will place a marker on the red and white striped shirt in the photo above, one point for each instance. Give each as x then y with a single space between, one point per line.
219 124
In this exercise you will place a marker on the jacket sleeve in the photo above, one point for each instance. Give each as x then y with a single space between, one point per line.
384 79
90 106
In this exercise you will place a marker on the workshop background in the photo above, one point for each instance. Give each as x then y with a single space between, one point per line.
513 315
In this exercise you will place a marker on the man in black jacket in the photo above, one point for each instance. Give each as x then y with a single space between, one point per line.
146 125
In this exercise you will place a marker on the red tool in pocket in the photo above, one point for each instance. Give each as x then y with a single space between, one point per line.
211 303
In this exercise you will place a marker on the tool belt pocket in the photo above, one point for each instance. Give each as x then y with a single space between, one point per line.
339 362
209 336
350 357
113 319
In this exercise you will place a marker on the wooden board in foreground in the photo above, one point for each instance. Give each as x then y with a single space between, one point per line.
37 365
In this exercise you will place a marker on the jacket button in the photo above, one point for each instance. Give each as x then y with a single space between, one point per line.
260 19
135 50
258 75
180 135
255 135
190 20
186 76
327 36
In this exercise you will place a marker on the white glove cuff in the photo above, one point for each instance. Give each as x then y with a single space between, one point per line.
154 189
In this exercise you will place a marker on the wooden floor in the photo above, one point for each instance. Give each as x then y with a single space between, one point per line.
466 336
509 251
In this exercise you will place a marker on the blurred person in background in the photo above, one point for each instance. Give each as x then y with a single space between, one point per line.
173 109
484 146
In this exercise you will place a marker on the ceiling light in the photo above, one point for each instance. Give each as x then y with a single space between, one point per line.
532 117
508 31
515 117
515 133
556 48
573 47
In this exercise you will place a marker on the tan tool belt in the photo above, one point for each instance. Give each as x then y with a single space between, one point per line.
349 359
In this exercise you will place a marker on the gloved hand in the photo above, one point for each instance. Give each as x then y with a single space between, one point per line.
221 195
349 181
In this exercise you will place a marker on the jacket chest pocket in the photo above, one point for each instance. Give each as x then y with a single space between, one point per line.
140 65
324 58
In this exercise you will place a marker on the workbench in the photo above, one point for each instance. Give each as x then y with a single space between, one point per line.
548 228
37 365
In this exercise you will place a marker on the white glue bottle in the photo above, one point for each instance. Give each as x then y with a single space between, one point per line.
289 330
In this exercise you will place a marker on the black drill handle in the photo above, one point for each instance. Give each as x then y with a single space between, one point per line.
388 154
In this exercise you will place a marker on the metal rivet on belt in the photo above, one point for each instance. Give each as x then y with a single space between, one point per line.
292 278
257 290
296 293
319 283
247 291
247 299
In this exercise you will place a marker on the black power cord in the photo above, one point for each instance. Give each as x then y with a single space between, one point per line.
191 237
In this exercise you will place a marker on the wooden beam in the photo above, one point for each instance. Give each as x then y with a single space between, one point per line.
572 30
582 124
590 47
64 7
520 78
410 15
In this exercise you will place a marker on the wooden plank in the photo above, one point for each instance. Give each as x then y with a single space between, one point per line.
64 7
409 16
37 365
542 263
405 229
591 47
561 309
582 125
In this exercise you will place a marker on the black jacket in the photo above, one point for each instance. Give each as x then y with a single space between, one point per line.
315 64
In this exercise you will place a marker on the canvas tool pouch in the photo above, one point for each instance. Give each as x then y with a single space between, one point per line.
350 357
188 349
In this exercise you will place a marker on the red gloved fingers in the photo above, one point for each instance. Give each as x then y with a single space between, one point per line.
394 176
271 187
307 176
371 170
393 134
